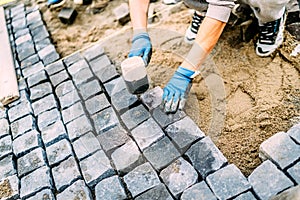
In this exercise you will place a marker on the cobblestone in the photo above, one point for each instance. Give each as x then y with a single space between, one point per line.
54 133
26 143
123 100
47 118
40 33
12 183
7 167
82 76
294 133
43 43
55 67
37 78
21 126
24 51
114 86
93 52
164 119
44 104
59 77
77 190
31 60
19 111
294 172
100 62
78 127
58 151
72 112
158 192
89 89
4 127
110 189
199 191
5 146
105 120
77 66
86 145
97 103
69 99
152 98
106 73
64 88
33 69
40 91
246 196
73 58
135 116
47 54
33 17
23 38
45 194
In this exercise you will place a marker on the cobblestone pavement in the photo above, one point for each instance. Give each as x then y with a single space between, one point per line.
76 133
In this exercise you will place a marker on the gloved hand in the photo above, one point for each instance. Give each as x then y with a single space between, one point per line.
141 46
177 89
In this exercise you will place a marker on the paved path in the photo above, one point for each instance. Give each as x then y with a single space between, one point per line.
76 133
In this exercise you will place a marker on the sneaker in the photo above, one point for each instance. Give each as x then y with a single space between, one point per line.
191 32
55 3
270 36
170 2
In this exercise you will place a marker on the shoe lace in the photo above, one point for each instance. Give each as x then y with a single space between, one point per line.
196 21
268 32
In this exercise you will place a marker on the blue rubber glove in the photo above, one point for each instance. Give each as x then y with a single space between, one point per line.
176 90
141 46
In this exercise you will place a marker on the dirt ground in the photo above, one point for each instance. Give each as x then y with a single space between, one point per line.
239 101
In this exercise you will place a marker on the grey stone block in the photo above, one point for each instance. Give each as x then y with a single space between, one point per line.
69 99
127 157
199 191
39 33
294 133
77 190
267 180
99 63
47 118
21 126
141 179
19 111
22 84
246 196
112 139
21 33
48 54
35 25
294 172
35 181
12 184
67 15
161 153
37 78
58 151
152 98
179 176
106 73
44 104
5 146
105 120
40 91
43 43
290 194
135 116
33 17
281 149
89 89
158 192
18 16
53 133
64 88
147 133
7 167
93 52
110 189
82 76
17 9
86 145
26 143
97 103
31 9
18 24
164 119
33 69
59 77
25 50
55 67
79 127
206 157
122 13
73 58
4 127
31 161
228 182
77 66
45 194
72 112
101 168
22 39
23 99
114 86
31 60
184 132
123 100
65 174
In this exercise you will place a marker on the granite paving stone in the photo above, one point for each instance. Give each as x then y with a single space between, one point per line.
31 161
179 176
281 149
22 39
33 16
26 143
40 33
44 104
48 54
184 132
18 23
42 44
59 77
19 15
110 189
100 62
82 76
53 133
65 174
7 167
5 146
228 182
72 112
147 133
135 116
267 180
294 172
73 58
34 25
294 133
58 151
33 69
127 157
206 157
96 103
86 145
105 120
158 192
40 91
114 86
89 89
199 191
19 111
289 194
161 153
164 119
31 9
64 88
37 78
101 170
31 60
106 73
4 127
21 33
69 99
21 126
55 67
24 51
15 10
122 13
22 99
30 184
152 98
246 196
141 179
77 66
93 52
47 118
123 100
45 194
12 183
77 190
113 138
78 127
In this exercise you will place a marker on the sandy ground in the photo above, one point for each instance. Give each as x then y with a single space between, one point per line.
239 101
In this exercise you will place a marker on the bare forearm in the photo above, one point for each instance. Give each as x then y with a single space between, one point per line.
139 14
